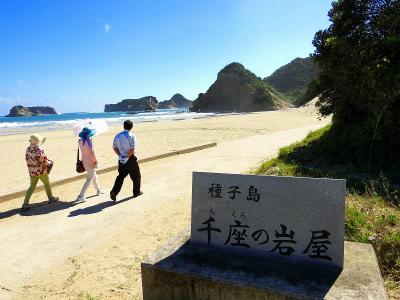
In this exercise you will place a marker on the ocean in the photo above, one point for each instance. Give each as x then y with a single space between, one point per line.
14 125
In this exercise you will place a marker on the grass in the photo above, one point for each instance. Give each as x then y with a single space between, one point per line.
76 266
372 212
87 296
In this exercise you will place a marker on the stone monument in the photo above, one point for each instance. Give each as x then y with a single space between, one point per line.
263 237
279 216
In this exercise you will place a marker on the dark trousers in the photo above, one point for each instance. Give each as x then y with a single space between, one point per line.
131 167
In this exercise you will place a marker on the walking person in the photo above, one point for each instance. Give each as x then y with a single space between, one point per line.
89 161
38 165
124 146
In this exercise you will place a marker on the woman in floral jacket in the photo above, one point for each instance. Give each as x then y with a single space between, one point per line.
37 166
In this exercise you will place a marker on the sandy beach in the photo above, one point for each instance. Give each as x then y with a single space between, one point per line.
93 250
154 138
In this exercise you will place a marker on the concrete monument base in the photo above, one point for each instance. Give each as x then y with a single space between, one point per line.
186 271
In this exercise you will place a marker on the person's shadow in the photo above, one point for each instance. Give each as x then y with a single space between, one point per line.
44 208
41 208
96 208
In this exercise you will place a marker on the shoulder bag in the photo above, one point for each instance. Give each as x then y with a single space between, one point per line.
79 164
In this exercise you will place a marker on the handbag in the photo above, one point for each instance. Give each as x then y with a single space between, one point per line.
80 168
50 165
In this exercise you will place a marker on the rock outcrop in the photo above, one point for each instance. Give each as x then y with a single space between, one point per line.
176 101
22 111
238 90
292 79
42 110
181 101
167 104
19 111
148 103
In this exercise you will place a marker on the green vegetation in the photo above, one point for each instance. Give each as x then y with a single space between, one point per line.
245 74
292 79
372 202
359 81
311 92
262 91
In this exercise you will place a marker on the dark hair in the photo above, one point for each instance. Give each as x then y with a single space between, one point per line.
128 125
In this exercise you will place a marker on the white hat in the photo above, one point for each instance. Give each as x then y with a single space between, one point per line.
37 139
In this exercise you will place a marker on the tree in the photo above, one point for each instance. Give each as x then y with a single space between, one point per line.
359 80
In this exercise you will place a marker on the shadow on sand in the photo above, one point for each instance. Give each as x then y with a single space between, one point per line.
41 208
96 208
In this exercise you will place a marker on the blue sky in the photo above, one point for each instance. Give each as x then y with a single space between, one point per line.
77 55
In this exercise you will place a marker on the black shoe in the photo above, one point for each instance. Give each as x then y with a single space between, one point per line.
25 208
113 197
137 194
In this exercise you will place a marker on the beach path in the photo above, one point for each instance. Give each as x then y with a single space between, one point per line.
93 249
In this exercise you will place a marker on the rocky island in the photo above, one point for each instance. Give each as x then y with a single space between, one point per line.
42 110
167 104
22 111
148 103
180 101
238 90
176 101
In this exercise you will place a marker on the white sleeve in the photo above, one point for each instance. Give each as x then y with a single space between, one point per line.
133 142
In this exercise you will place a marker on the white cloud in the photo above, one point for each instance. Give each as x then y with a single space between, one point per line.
107 27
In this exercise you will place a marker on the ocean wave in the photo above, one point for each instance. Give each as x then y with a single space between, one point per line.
36 124
110 119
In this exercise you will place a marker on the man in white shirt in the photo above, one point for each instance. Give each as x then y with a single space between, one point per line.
124 146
